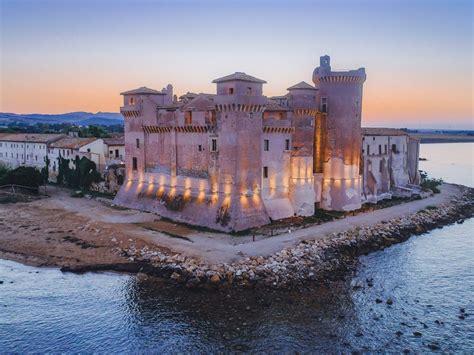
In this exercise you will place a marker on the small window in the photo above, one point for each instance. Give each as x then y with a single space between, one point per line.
137 142
249 91
380 149
131 101
111 152
385 149
200 148
134 164
381 166
324 104
287 144
116 153
214 145
231 91
368 149
265 172
394 148
188 117
88 150
266 145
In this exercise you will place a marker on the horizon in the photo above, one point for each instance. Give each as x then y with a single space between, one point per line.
418 55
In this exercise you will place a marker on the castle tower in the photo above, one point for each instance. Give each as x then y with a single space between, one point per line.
340 99
302 100
238 160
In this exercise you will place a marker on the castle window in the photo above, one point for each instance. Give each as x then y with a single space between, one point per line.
381 166
214 145
200 148
231 91
385 149
394 148
265 172
380 149
368 149
287 144
88 150
266 145
131 101
137 142
134 164
249 91
116 153
188 117
324 104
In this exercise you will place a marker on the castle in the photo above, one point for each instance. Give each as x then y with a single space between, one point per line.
237 159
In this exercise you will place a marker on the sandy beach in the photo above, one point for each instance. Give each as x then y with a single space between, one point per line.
70 232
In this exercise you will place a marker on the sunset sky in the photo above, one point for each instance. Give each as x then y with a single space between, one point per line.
70 55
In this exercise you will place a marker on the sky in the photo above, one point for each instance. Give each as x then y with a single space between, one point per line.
60 56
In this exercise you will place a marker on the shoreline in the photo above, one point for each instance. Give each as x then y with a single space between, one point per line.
308 258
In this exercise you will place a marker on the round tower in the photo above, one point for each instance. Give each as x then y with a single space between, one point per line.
340 99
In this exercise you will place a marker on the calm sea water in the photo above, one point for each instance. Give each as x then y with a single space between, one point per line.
429 278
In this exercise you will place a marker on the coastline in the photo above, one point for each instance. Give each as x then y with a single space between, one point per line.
102 246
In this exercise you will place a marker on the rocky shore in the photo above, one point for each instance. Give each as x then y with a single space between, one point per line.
320 260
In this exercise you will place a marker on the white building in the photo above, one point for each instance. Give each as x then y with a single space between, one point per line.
70 147
115 150
26 149
389 163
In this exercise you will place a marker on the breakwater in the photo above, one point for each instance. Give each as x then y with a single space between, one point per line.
318 260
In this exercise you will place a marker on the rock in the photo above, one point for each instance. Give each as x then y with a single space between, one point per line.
215 279
192 283
417 334
462 310
389 301
399 333
461 317
378 300
1 282
433 346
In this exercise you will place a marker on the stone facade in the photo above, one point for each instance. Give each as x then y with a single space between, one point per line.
237 159
389 163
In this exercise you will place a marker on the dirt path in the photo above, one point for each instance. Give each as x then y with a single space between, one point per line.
66 231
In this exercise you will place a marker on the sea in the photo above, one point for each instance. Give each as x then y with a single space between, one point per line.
417 296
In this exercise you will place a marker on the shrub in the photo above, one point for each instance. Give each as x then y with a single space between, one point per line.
429 183
24 176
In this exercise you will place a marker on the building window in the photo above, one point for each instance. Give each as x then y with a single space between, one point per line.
131 101
188 117
380 149
324 104
381 166
287 144
134 164
368 149
111 152
137 141
116 153
231 91
88 150
249 91
385 149
265 172
214 145
394 148
200 148
266 145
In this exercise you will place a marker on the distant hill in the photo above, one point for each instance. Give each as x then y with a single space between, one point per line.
78 118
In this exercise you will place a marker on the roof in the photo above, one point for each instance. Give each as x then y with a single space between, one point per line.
200 103
302 86
114 141
272 105
143 91
239 76
375 131
31 137
72 142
